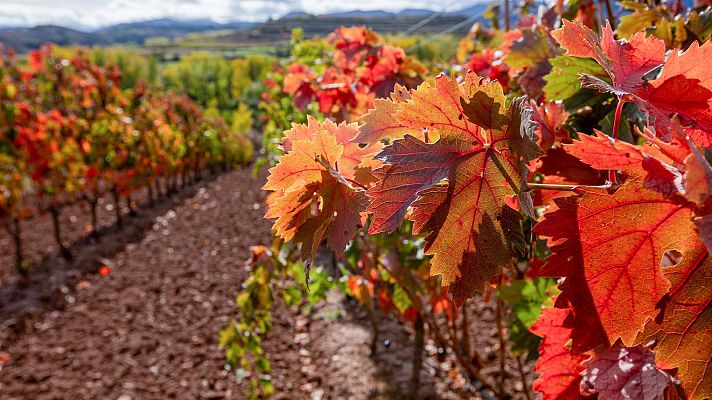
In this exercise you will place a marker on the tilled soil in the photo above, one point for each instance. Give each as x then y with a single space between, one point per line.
149 329
38 242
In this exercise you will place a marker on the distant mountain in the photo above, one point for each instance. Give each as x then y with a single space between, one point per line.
24 39
415 12
273 31
362 14
138 32
380 21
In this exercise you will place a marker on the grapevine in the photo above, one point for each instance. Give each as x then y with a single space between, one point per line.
70 133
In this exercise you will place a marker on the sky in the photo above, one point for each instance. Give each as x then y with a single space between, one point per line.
90 14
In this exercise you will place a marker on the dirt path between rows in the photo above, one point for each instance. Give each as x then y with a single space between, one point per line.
149 329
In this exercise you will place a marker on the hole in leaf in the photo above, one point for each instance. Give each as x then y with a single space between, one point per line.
671 258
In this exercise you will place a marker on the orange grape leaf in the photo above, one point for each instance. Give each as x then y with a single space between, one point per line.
379 123
478 157
682 333
559 370
316 201
352 157
622 373
609 247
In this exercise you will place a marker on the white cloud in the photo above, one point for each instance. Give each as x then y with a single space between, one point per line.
97 13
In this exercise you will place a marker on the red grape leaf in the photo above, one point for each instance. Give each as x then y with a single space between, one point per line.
662 177
626 62
604 153
551 118
428 202
684 86
682 333
704 227
698 177
560 370
297 82
622 373
480 153
412 166
609 248
559 167
559 163
698 172
435 108
315 201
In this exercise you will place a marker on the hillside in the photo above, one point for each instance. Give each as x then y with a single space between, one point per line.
238 33
23 39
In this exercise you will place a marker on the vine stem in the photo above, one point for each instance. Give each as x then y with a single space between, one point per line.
611 14
471 372
506 15
523 378
93 200
417 356
353 182
502 344
16 235
117 204
569 188
63 250
614 134
466 332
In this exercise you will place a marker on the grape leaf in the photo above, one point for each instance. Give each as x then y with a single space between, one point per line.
562 83
609 248
315 200
560 370
412 166
683 87
479 155
625 62
379 123
551 119
352 157
621 373
698 172
569 169
531 48
638 20
682 333
401 299
604 153
528 56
